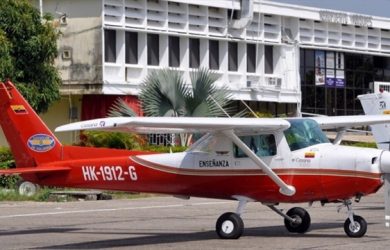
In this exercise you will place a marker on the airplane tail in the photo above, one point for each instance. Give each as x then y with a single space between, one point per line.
31 141
376 104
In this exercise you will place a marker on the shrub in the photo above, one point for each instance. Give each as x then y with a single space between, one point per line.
7 161
111 140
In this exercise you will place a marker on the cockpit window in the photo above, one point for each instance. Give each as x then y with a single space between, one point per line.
261 145
304 133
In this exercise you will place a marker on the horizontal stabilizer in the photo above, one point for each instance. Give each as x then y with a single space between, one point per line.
334 122
33 170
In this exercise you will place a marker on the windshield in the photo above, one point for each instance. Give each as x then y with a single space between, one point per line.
304 133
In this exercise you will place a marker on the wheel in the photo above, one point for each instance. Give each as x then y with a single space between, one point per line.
27 188
356 230
229 226
301 220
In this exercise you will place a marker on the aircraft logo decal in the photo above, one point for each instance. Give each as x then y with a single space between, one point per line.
19 109
41 143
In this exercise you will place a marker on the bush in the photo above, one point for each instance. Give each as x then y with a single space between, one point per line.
111 140
7 161
123 141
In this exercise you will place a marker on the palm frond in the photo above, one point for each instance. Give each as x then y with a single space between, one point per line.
163 93
207 94
120 108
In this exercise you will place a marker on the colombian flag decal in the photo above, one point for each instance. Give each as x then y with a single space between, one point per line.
310 154
19 109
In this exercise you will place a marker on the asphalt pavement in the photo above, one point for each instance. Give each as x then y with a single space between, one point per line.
166 222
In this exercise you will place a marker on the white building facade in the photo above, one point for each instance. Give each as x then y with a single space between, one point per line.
278 58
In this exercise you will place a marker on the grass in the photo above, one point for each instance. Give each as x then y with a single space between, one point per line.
360 144
43 194
13 195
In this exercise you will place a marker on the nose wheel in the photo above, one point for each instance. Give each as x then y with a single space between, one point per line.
357 228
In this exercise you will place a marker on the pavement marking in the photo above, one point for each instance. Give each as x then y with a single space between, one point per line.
112 209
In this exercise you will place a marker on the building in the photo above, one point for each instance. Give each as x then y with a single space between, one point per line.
278 58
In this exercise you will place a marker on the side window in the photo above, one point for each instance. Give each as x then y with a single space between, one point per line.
261 145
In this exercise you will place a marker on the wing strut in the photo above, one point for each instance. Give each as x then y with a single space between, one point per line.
284 188
339 136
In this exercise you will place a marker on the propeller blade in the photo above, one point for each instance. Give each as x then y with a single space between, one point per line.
386 177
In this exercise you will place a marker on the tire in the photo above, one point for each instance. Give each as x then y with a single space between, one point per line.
27 188
302 223
360 228
229 226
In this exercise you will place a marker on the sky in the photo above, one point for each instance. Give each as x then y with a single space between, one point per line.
368 7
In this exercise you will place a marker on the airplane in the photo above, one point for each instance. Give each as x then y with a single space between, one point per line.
265 160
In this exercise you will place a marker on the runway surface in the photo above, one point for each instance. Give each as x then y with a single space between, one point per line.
167 222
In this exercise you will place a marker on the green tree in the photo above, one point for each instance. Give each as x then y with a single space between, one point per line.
28 47
165 93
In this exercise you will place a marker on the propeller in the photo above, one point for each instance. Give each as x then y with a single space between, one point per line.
385 170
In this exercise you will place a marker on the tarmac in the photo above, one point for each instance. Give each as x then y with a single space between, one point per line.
164 222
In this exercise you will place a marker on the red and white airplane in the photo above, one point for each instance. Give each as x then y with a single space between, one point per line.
270 161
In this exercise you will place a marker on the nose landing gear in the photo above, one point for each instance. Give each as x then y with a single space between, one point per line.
355 226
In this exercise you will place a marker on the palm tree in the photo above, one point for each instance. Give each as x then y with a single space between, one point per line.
165 93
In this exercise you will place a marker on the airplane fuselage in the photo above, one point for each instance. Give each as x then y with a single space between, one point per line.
316 172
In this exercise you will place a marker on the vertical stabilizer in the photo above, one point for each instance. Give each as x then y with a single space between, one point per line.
31 141
378 104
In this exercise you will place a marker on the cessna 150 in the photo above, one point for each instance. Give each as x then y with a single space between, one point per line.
270 161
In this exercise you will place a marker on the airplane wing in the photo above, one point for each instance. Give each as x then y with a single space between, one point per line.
179 125
334 122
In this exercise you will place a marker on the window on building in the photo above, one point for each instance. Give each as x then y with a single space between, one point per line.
261 145
194 53
251 57
153 44
214 54
269 59
309 58
233 56
174 51
131 40
161 139
110 46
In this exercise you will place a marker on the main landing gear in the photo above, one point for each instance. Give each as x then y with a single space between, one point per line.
296 220
230 225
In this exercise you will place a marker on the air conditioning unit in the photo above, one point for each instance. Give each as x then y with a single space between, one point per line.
275 81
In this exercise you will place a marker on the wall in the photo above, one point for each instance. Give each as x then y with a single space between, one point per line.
80 45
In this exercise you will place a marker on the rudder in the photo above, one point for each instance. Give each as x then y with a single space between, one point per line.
31 141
